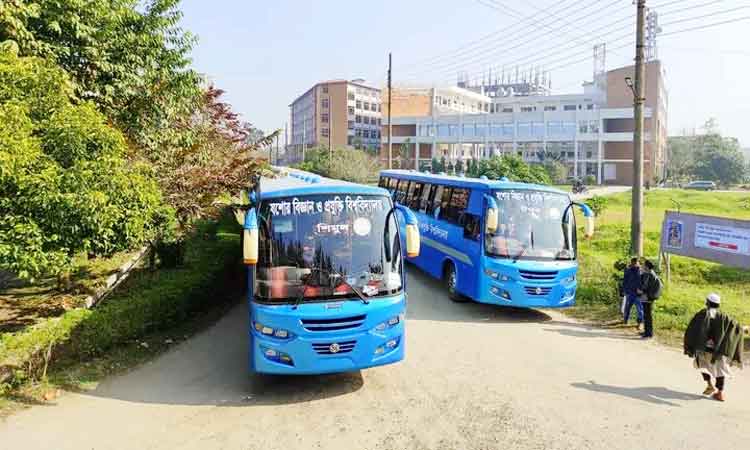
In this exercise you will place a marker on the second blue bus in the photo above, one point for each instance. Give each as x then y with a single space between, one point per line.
496 242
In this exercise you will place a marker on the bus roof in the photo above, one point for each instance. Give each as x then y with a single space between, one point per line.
293 182
468 182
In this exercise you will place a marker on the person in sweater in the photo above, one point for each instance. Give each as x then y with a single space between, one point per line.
649 291
631 282
715 342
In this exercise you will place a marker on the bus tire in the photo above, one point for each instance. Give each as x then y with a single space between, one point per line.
449 276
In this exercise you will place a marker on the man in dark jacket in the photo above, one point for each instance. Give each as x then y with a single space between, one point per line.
631 282
649 291
715 342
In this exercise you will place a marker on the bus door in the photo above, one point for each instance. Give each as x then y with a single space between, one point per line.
465 232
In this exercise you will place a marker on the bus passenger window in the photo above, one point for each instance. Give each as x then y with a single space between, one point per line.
415 192
471 226
383 182
443 208
401 190
424 201
392 183
458 203
434 203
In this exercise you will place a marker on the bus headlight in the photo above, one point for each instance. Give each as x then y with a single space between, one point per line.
279 333
391 322
496 276
277 356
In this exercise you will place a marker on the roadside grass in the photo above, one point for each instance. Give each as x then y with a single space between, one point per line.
151 311
24 304
691 279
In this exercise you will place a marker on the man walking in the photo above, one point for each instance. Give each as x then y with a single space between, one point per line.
649 291
631 282
715 342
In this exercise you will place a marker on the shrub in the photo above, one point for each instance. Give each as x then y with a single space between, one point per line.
148 300
590 179
598 204
348 164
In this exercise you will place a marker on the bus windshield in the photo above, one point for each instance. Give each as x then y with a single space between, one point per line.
321 247
531 226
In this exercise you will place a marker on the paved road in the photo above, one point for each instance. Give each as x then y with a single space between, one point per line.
475 377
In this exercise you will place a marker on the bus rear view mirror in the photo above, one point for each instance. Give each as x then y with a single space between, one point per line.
492 218
412 231
250 238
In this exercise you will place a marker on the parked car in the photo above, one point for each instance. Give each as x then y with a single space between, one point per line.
701 185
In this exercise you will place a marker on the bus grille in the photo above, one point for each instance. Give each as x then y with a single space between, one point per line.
340 323
534 275
537 290
327 347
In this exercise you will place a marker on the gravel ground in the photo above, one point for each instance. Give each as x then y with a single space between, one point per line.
475 377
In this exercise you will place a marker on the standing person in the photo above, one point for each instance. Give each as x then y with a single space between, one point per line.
715 342
649 292
631 282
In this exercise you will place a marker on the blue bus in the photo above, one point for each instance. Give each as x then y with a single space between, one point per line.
495 242
326 282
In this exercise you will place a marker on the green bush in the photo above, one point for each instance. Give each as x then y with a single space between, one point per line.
590 180
352 165
147 301
65 184
598 204
514 168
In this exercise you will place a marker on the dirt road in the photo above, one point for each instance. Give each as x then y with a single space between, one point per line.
475 377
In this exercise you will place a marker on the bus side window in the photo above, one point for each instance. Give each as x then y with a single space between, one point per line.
424 200
383 182
471 226
433 208
392 183
457 204
401 190
415 193
445 203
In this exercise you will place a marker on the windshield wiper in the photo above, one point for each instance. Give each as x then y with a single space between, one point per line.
343 281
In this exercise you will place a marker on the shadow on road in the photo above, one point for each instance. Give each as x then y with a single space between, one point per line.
212 369
428 300
652 394
586 332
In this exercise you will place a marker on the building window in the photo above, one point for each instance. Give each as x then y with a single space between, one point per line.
324 103
481 130
349 140
324 132
443 131
594 126
358 119
358 133
554 128
359 104
589 106
537 129
324 117
365 133
366 106
366 120
550 108
325 89
351 124
527 108
569 107
524 129
569 128
468 130
350 95
508 110
351 110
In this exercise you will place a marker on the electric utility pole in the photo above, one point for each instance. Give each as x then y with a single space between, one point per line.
636 220
390 129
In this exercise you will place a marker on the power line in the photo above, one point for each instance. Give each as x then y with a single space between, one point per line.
701 27
555 49
515 37
452 65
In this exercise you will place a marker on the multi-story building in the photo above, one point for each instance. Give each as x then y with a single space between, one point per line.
336 113
590 133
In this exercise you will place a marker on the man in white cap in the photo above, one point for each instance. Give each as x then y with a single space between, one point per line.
714 341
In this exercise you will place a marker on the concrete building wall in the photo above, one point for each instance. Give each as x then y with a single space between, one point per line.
408 102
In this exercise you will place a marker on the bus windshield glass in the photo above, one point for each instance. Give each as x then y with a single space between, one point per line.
321 247
531 226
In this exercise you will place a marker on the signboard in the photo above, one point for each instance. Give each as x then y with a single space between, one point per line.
718 239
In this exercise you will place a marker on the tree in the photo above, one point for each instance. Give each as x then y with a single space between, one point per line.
681 151
514 168
435 166
443 165
405 154
708 156
65 184
459 168
347 164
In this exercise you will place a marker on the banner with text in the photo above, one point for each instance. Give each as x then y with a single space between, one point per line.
718 239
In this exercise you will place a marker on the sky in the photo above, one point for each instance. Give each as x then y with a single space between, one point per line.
265 54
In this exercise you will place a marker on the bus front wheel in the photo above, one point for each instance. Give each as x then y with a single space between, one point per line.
450 282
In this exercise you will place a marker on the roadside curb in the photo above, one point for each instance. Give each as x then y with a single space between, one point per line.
116 278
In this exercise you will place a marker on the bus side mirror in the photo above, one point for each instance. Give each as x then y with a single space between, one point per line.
491 220
412 231
250 238
588 214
